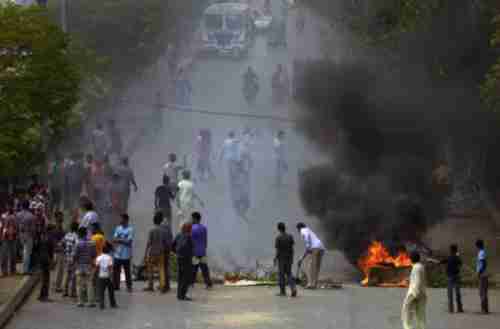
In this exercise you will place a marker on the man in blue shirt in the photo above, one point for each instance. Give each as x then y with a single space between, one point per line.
122 240
199 237
481 269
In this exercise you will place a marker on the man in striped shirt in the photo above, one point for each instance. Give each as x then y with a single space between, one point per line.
84 256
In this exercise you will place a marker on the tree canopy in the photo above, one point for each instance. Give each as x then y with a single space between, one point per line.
127 35
39 86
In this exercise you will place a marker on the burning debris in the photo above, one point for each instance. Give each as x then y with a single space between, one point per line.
383 269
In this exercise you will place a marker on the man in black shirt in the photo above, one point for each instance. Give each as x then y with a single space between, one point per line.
46 255
453 265
163 196
183 247
284 257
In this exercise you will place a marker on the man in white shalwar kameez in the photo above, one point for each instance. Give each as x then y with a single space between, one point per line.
413 312
186 197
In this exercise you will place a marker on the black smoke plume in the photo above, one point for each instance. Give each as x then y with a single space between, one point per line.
384 143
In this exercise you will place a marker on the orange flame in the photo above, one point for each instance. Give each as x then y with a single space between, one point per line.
378 255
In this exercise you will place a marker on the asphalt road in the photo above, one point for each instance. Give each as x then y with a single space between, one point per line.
256 308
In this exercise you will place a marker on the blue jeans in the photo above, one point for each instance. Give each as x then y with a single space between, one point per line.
27 253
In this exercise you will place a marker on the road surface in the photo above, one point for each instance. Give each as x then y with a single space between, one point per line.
257 308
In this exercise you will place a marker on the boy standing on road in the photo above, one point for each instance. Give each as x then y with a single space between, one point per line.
104 265
284 258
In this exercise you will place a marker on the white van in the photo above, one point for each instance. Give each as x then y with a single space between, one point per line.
227 28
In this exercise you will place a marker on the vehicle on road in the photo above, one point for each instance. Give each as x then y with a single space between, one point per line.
227 29
261 20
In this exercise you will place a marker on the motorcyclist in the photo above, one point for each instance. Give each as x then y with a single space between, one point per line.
250 85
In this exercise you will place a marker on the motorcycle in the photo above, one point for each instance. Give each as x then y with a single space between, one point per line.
250 88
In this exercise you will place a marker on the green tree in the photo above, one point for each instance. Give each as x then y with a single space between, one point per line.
127 35
490 89
39 86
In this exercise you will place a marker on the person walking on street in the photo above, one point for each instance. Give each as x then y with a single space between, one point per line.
413 311
127 178
122 239
45 257
84 257
231 154
184 89
115 138
57 236
172 170
9 231
163 200
186 198
69 244
314 250
74 180
26 221
284 245
104 264
279 147
183 246
154 256
56 184
200 239
203 154
99 142
481 269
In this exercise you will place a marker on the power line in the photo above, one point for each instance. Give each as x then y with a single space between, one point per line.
191 109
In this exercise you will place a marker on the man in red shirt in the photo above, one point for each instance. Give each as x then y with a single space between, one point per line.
8 236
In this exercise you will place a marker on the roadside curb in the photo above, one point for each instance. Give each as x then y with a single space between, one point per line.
14 302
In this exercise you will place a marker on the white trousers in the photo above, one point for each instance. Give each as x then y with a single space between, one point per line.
413 312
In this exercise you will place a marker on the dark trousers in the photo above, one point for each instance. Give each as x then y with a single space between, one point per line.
104 284
117 267
204 271
184 275
8 255
454 287
483 293
285 275
45 279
